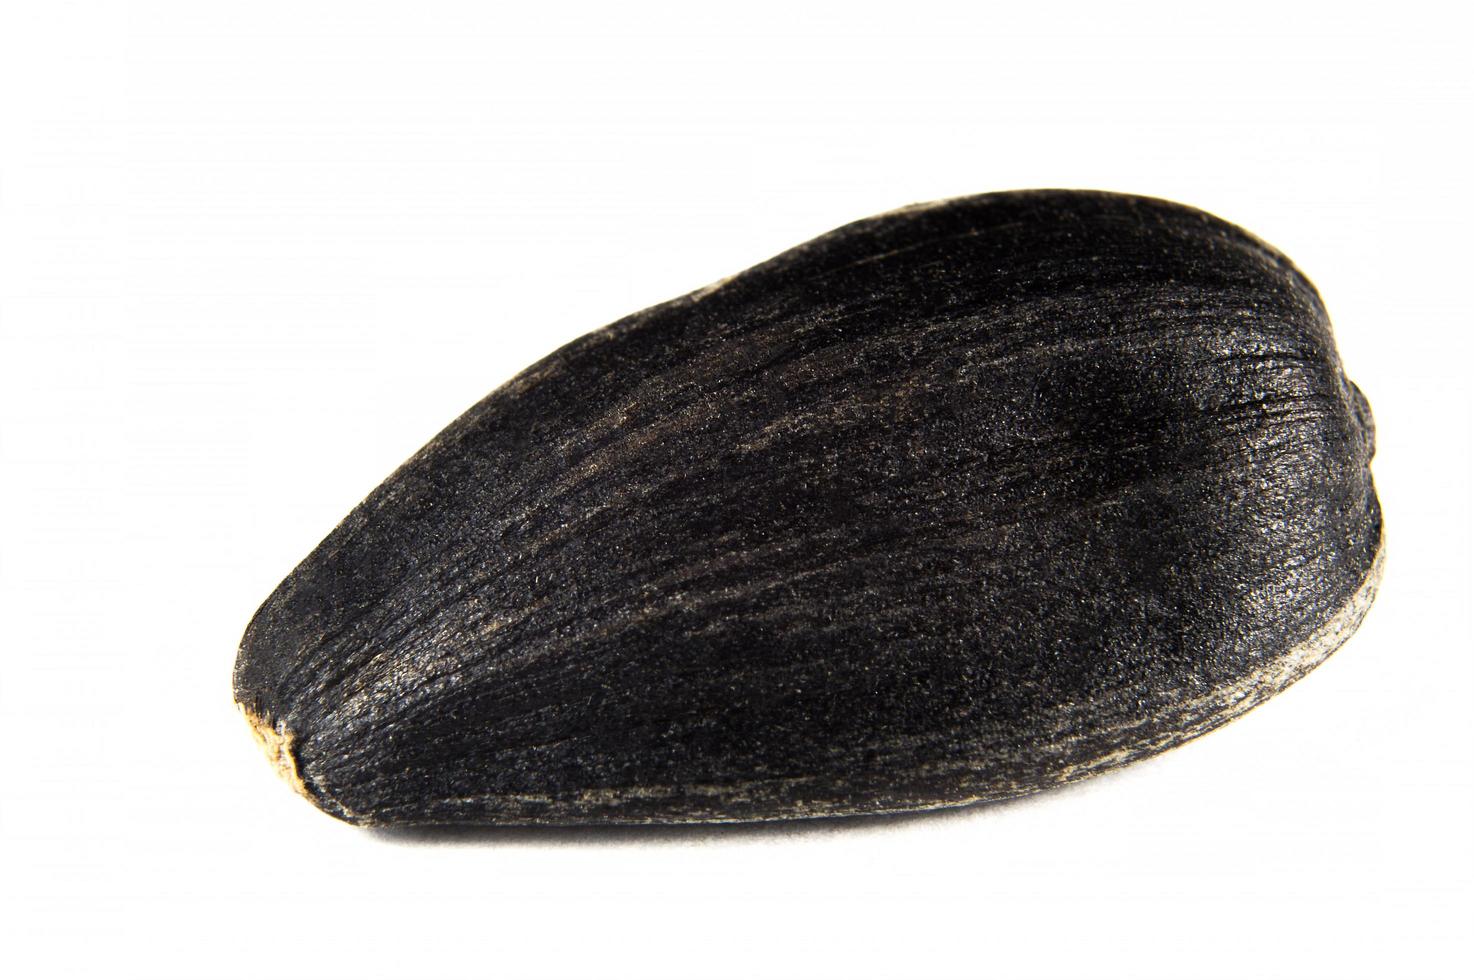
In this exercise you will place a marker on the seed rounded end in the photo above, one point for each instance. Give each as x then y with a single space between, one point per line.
276 741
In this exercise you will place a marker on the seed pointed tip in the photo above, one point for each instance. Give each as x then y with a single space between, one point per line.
276 741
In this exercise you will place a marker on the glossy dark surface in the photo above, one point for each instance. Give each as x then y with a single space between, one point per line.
954 503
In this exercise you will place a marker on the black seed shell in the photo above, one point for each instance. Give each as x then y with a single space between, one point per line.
954 503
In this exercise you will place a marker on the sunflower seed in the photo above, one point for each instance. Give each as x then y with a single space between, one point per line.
952 504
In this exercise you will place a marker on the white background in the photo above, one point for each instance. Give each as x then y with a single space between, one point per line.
252 255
